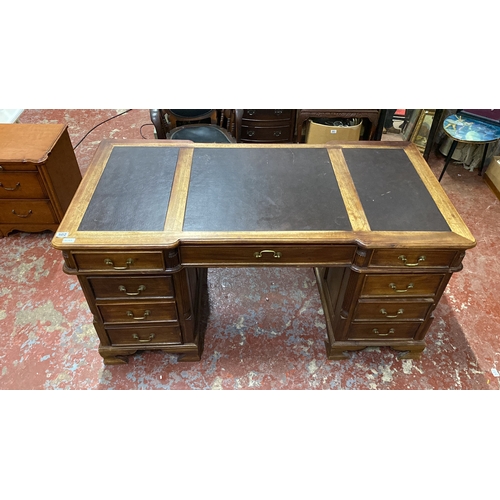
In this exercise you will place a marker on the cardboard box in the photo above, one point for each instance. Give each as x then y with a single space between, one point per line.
492 175
317 133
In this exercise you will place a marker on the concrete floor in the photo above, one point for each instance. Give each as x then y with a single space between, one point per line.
266 329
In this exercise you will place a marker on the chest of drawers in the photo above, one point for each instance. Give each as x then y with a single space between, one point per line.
141 300
39 175
267 125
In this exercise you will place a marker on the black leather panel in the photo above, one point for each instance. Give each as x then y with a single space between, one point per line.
134 190
392 194
260 189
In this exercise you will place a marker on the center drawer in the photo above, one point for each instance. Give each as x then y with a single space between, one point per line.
272 255
138 311
132 286
119 261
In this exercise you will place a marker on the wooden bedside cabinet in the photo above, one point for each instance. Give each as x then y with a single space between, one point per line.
39 175
267 125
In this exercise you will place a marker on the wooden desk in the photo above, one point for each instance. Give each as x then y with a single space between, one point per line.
151 216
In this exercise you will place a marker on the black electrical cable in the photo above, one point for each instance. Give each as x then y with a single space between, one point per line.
142 126
98 125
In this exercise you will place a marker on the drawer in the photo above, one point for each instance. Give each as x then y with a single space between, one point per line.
267 114
16 165
145 336
394 310
382 331
405 258
21 185
128 286
119 261
409 285
272 255
138 311
27 211
265 134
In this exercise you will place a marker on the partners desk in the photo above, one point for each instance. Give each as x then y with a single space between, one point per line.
150 217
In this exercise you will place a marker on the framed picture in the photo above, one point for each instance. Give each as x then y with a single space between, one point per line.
412 122
422 128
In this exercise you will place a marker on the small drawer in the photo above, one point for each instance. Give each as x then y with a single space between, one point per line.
382 331
21 185
272 255
267 114
9 166
265 134
146 336
116 262
412 258
138 312
27 211
128 286
392 310
397 285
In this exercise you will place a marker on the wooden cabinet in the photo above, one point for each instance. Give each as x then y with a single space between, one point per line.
388 299
267 125
139 302
39 175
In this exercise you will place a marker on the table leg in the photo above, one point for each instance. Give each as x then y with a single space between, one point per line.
448 158
481 165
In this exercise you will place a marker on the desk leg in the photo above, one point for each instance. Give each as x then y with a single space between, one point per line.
448 158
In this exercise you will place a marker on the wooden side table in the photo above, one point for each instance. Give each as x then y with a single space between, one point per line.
370 114
39 175
470 131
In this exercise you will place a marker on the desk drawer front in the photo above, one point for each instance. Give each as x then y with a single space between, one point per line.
138 312
267 114
409 285
145 336
119 262
125 287
412 258
265 134
21 185
382 331
272 255
26 211
392 310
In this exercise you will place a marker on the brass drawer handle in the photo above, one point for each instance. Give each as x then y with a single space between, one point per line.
251 133
390 332
139 290
18 185
23 216
109 262
404 259
384 312
278 111
136 337
147 313
258 255
250 112
277 133
395 288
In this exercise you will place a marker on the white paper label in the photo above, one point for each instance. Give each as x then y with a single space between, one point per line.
61 235
68 240
333 131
